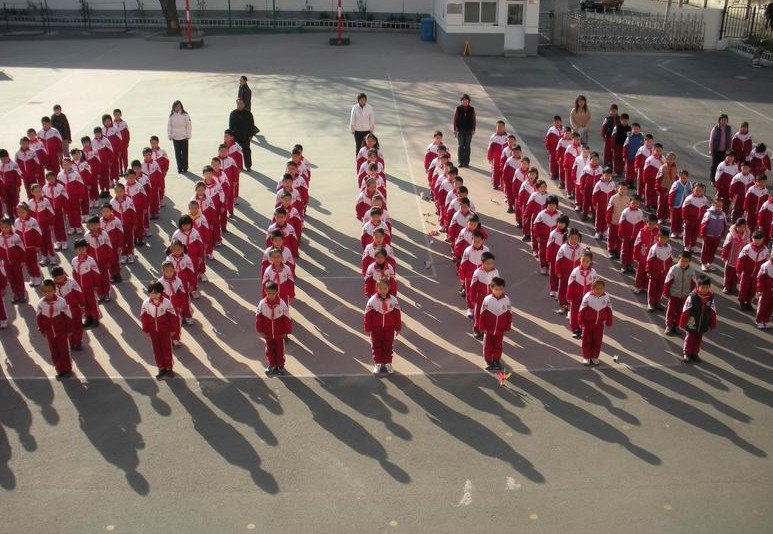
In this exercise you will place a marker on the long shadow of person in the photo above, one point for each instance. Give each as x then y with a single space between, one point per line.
345 429
223 437
15 414
109 418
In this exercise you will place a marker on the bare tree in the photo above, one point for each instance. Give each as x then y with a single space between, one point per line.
169 7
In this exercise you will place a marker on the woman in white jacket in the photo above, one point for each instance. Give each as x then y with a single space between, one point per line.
178 130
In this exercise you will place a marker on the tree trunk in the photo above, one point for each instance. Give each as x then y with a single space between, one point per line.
169 7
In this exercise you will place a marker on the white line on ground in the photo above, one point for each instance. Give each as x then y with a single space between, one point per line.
511 484
410 173
662 65
701 152
466 499
620 98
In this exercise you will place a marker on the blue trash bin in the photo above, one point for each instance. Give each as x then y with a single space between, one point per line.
428 29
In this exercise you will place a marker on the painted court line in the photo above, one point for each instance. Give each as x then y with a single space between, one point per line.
662 65
620 98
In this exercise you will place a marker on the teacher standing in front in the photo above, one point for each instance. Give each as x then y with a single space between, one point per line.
362 121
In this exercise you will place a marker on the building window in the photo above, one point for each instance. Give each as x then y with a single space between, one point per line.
454 8
480 12
515 14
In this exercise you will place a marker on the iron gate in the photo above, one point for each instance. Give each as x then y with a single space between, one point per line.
631 31
745 22
546 28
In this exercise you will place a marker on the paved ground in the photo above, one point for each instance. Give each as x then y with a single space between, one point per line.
441 446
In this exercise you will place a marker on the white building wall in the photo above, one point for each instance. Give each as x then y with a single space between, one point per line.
409 7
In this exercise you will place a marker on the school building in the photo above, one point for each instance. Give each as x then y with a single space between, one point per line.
487 27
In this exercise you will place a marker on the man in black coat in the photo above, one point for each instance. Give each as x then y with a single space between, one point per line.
242 124
60 122
245 93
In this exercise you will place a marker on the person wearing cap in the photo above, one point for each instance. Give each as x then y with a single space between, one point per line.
464 129
362 121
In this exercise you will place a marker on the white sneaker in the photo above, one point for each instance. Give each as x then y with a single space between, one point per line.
577 208
195 294
188 320
710 267
470 313
122 260
3 324
761 326
148 233
219 243
585 361
131 258
389 368
71 231
43 261
696 249
64 245
673 235
78 231
203 278
597 235
236 201
543 271
704 268
376 369
210 256
175 343
595 361
552 294
57 246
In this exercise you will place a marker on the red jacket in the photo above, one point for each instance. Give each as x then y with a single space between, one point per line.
496 316
273 318
382 314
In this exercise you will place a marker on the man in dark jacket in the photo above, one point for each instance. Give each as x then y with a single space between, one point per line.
464 129
242 124
720 140
60 122
245 93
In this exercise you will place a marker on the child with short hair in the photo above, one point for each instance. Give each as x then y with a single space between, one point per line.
174 290
590 175
496 319
567 258
602 193
765 218
755 198
647 237
659 262
281 274
724 175
431 152
54 320
544 223
633 142
29 164
620 136
28 229
713 227
607 128
112 225
195 247
155 175
738 236
552 136
664 179
380 269
649 175
679 282
85 272
12 253
366 237
693 208
123 209
595 313
52 143
644 152
160 322
536 203
571 153
676 197
480 287
210 209
497 142
631 223
101 249
561 147
124 136
108 169
580 282
555 242
43 212
280 223
136 193
10 181
741 144
383 321
765 289
699 315
471 259
617 203
750 260
177 254
273 324
759 160
201 226
739 185
110 130
70 291
369 254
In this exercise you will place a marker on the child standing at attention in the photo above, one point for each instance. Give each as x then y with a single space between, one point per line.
699 315
54 321
272 321
595 313
383 322
496 318
160 322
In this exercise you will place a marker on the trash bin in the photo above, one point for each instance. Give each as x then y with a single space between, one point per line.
428 29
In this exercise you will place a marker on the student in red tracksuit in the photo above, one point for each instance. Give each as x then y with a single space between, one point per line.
765 218
221 179
713 227
101 249
70 291
544 223
76 193
649 174
535 204
523 186
113 135
679 191
496 319
12 253
123 134
765 289
603 191
659 262
431 152
31 235
556 240
699 315
644 152
107 163
607 127
37 146
620 135
56 195
741 144
155 175
280 274
617 203
464 238
561 147
759 160
53 142
209 210
272 321
497 142
54 321
162 160
195 247
471 259
368 255
580 282
567 258
724 175
680 281
43 212
114 228
280 223
738 236
159 320
647 237
3 284
664 179
378 270
554 133
82 167
123 209
755 198
739 185
631 222
91 156
85 272
10 181
480 287
383 322
693 208
213 188
595 313
506 175
177 254
459 220
277 242
750 259
571 153
31 167
369 226
139 199
590 175
174 290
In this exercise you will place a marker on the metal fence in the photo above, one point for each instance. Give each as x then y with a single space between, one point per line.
631 31
545 28
744 22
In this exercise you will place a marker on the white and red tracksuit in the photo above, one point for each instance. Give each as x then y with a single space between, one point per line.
678 284
571 153
756 196
382 320
378 271
13 254
735 241
617 203
107 163
650 171
201 225
741 146
642 154
3 284
511 166
659 263
85 272
496 318
765 219
43 212
543 224
369 256
464 240
125 212
283 277
536 203
114 229
209 210
76 195
31 168
722 179
196 249
136 193
71 292
595 313
561 147
174 290
272 321
552 136
470 261
101 249
765 289
160 321
631 222
523 188
52 141
584 194
665 178
113 135
479 288
644 241
287 259
739 185
54 320
125 137
290 239
89 182
567 261
496 143
57 197
162 160
155 175
91 156
713 227
573 180
750 259
31 235
693 209
10 185
185 270
759 163
368 228
578 284
555 242
603 191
